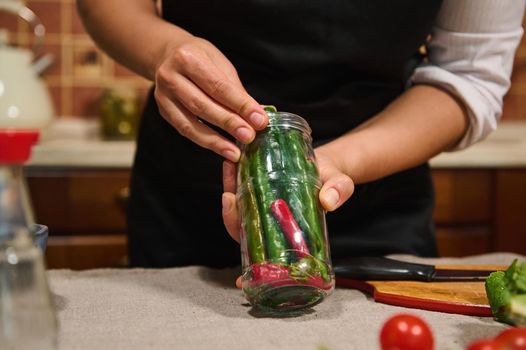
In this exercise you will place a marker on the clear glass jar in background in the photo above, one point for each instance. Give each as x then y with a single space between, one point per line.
285 250
27 315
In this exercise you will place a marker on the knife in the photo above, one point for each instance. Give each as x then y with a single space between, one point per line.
385 269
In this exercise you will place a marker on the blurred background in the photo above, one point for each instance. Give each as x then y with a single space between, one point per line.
80 70
79 174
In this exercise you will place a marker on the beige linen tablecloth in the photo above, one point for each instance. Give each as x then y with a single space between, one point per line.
199 308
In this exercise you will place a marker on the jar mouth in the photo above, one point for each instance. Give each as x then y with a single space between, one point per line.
288 120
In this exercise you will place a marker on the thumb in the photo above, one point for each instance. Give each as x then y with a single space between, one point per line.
337 188
230 215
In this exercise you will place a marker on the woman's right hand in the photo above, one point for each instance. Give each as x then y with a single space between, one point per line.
195 81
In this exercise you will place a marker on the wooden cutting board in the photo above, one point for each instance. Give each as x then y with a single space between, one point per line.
467 298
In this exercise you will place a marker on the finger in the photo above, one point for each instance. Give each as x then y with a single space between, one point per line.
230 215
226 67
238 282
337 188
190 127
230 71
208 76
229 177
199 104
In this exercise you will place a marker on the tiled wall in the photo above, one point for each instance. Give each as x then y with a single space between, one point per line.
82 71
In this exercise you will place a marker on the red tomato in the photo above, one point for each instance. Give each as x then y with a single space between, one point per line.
406 332
512 339
484 344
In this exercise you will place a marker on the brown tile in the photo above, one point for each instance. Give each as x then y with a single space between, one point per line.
56 97
9 23
56 68
67 58
49 13
16 29
77 27
86 101
87 61
67 100
52 80
24 36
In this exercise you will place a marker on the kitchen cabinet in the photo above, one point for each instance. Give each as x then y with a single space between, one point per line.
477 211
480 210
463 211
85 212
510 211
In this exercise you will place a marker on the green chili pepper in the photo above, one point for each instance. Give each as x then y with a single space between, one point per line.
306 208
306 191
251 220
276 244
269 108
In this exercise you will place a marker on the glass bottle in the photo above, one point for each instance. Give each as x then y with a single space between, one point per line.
120 113
27 318
285 251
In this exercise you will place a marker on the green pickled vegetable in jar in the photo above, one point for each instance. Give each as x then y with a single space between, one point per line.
120 113
284 243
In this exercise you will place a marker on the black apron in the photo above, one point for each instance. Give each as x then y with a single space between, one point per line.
334 62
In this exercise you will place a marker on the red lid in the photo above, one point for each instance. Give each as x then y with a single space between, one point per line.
15 145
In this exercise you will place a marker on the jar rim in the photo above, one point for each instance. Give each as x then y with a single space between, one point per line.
288 120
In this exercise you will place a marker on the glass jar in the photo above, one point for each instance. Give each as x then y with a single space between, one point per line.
27 315
120 113
284 244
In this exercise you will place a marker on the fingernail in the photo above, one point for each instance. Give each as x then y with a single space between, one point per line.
331 197
243 134
256 119
226 204
231 155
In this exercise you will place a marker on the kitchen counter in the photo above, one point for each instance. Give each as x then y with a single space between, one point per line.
83 154
198 308
505 148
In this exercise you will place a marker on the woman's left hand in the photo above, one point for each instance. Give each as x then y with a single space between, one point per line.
337 188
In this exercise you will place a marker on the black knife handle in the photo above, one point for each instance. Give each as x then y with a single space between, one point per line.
383 269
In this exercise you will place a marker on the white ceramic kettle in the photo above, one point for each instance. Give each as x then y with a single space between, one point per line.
24 99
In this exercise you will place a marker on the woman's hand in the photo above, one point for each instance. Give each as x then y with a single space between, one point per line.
195 82
337 188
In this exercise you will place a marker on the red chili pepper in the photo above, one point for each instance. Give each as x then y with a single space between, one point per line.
269 273
278 275
289 226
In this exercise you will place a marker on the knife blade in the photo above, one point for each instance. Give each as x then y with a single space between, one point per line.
385 269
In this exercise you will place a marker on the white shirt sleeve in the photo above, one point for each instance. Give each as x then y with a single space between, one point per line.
471 56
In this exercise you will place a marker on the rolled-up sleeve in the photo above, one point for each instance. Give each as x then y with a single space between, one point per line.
471 56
